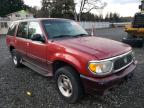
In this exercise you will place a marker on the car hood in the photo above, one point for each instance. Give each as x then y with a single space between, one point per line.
101 48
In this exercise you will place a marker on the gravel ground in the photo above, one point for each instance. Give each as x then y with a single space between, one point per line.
14 83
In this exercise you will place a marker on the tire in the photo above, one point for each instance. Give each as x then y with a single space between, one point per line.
17 61
130 76
134 42
68 80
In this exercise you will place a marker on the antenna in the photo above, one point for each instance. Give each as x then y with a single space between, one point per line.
92 32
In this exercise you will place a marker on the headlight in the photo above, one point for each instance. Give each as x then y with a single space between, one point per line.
100 68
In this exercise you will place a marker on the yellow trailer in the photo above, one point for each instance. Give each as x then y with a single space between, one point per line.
135 31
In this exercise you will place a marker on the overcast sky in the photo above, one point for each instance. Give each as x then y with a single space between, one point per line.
123 7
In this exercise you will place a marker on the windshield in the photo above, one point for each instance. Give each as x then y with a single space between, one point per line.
138 21
63 28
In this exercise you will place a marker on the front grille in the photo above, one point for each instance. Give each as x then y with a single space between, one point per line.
123 61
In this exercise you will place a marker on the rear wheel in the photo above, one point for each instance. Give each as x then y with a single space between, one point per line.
68 84
16 58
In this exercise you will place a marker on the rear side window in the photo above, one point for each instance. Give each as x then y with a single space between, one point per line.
22 30
12 29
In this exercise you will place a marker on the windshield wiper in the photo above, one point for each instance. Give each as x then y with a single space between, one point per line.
81 35
68 36
62 36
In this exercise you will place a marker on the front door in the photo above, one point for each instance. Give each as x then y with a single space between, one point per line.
36 49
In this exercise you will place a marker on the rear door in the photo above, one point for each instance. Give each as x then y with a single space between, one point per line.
11 34
21 42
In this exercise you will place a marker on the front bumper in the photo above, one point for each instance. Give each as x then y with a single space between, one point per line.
100 85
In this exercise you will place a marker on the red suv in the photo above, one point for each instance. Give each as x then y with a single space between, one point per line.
61 48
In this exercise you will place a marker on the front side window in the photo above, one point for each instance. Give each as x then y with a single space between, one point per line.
23 30
63 28
34 28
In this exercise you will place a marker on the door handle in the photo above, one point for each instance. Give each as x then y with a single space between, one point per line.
27 44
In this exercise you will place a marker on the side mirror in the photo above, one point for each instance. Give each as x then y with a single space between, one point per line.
38 37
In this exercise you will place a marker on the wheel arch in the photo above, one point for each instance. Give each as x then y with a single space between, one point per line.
61 63
11 48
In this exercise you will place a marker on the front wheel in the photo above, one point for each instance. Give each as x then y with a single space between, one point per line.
68 84
17 61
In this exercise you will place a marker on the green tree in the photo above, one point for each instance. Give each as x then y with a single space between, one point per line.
63 9
88 17
107 17
113 17
35 11
58 8
47 7
91 17
9 6
116 17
